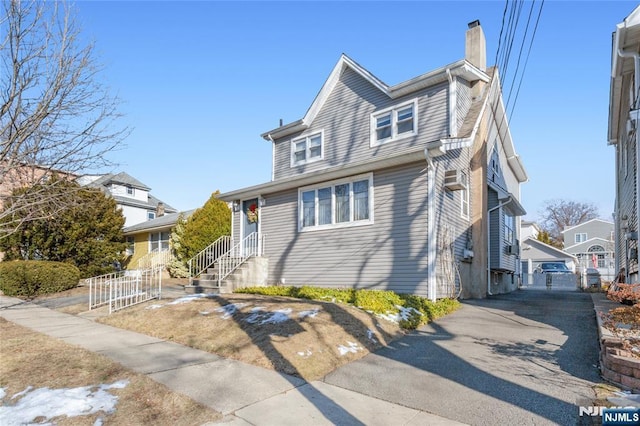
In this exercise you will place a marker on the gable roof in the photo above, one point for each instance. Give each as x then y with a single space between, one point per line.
584 223
535 242
584 246
165 221
120 178
461 68
626 39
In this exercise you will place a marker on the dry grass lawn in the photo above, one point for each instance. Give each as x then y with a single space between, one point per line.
312 339
29 358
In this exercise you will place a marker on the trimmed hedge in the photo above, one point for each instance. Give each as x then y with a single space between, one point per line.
30 278
416 310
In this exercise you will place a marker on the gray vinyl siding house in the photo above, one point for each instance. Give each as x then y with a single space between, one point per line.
624 120
385 187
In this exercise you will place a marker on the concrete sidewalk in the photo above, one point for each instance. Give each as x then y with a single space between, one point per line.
244 394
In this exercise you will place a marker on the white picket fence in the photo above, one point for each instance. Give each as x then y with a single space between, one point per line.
125 288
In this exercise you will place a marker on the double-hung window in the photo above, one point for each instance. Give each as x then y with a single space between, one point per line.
394 123
580 237
158 241
509 228
337 204
306 149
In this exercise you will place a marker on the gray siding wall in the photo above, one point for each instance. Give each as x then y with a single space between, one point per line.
463 93
450 226
345 119
593 229
389 254
626 185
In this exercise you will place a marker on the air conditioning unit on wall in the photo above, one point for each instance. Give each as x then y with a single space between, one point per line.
455 180
513 249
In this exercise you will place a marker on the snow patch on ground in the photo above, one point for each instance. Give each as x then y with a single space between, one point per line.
230 309
154 306
305 354
311 314
403 314
192 297
371 336
350 348
49 403
261 317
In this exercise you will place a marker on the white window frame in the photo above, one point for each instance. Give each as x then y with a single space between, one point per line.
151 215
130 190
160 240
580 237
509 228
394 123
307 140
464 197
332 184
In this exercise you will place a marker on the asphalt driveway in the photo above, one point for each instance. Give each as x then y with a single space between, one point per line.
529 357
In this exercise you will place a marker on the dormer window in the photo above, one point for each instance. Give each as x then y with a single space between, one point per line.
394 123
306 149
129 190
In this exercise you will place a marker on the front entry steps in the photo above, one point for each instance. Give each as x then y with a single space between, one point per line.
252 273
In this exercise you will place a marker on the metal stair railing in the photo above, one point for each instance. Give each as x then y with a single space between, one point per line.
252 245
207 257
155 259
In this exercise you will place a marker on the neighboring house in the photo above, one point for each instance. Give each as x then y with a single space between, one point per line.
535 252
394 187
592 244
624 120
25 175
529 229
131 195
145 240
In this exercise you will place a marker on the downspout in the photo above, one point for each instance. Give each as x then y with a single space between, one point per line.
452 106
273 157
492 209
636 74
431 237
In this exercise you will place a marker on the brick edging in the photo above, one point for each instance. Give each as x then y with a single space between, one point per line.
616 364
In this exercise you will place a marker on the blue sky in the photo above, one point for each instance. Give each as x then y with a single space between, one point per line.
200 82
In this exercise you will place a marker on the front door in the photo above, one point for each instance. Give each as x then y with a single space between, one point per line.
250 224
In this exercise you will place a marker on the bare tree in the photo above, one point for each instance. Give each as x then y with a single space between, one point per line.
55 114
560 214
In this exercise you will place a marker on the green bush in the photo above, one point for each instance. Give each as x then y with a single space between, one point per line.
30 278
413 310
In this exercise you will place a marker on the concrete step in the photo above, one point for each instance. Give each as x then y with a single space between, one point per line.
209 277
196 289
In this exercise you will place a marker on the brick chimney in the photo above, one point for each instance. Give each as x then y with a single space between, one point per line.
160 209
475 48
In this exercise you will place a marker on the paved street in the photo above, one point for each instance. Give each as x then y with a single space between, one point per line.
529 357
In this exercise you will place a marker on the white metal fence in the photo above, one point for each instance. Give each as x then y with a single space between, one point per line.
550 281
155 259
125 288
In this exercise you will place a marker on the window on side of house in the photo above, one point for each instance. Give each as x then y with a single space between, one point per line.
130 245
464 196
129 190
158 241
307 149
394 123
509 228
580 238
337 204
151 215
